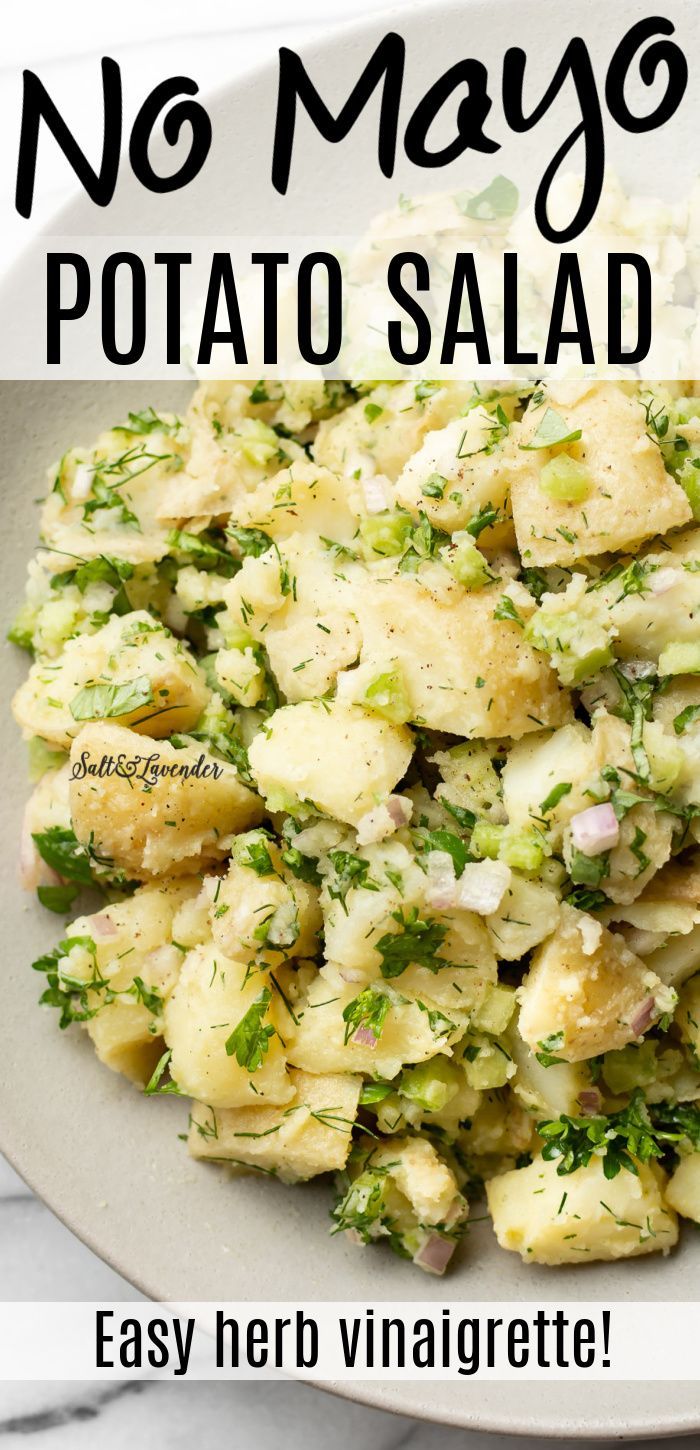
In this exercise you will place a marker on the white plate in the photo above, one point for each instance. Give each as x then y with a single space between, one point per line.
108 1161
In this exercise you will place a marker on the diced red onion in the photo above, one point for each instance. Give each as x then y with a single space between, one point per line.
644 1016
399 809
482 886
376 495
350 975
590 1102
443 888
638 669
164 960
661 580
102 927
595 830
434 1255
383 820
364 1037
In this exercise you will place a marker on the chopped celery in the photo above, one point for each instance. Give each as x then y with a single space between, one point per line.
21 631
259 443
666 761
487 1064
579 647
689 480
681 658
521 850
386 695
467 563
486 840
43 758
574 671
386 533
496 1010
630 1067
553 872
565 480
431 1084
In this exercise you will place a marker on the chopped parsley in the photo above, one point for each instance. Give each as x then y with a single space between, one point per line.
417 943
250 1039
104 702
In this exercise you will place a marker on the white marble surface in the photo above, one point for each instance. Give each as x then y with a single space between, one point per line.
39 1258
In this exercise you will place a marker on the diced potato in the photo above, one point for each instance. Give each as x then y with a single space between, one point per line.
302 499
465 671
264 913
310 1135
105 500
382 442
646 622
678 959
473 476
586 993
687 1019
145 812
354 927
317 1041
631 495
310 632
126 1036
213 995
132 669
683 1188
48 807
549 1219
133 958
127 932
646 834
421 1176
528 913
669 905
223 463
547 1091
500 1130
469 779
538 770
335 757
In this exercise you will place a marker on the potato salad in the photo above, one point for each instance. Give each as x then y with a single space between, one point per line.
364 731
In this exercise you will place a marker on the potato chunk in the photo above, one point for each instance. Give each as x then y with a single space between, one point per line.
355 927
336 756
631 496
303 498
474 475
464 670
383 441
259 908
317 1042
541 768
127 950
105 499
155 811
132 669
683 1189
586 993
48 808
309 632
310 1135
213 996
549 1219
